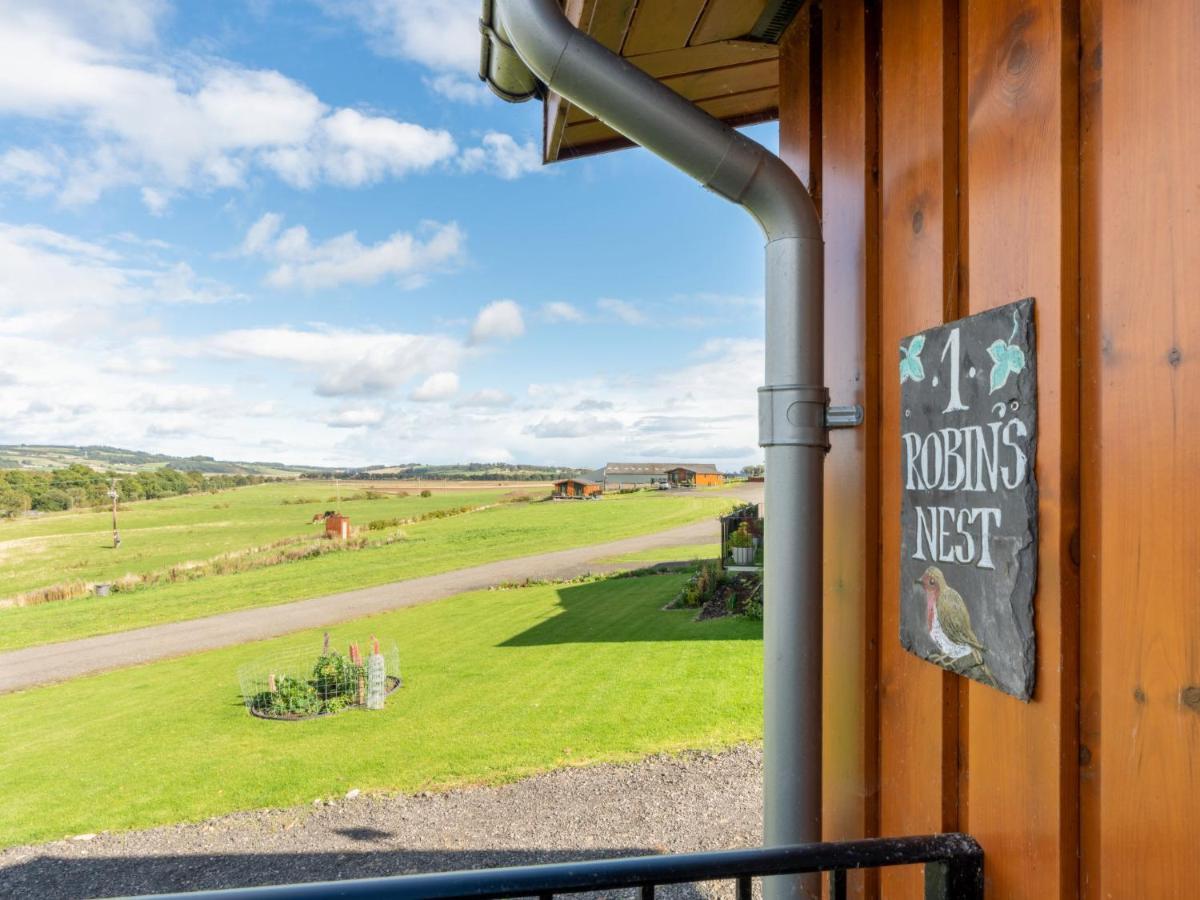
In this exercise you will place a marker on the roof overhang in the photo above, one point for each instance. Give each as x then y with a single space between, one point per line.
721 54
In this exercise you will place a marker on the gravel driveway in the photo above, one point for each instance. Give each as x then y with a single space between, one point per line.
697 801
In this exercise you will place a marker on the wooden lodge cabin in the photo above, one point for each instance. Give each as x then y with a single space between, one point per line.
964 155
576 489
702 475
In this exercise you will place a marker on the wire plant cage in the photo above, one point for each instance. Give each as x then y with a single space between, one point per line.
303 683
749 515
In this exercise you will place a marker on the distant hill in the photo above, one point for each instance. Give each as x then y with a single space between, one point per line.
52 456
462 472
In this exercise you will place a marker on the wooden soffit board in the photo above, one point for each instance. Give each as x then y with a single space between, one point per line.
698 48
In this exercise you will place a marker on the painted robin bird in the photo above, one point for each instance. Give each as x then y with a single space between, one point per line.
949 625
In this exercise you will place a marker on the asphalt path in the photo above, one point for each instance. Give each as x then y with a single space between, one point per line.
48 663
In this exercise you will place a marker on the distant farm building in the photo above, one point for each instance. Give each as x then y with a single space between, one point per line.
577 489
620 475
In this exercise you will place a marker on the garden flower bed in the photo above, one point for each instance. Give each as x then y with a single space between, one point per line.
299 687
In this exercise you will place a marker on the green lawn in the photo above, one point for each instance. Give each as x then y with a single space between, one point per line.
670 554
37 551
439 545
498 684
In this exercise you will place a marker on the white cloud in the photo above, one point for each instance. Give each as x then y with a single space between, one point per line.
137 365
51 281
486 398
178 123
352 150
438 386
498 321
558 311
573 427
357 417
440 34
34 172
501 155
261 234
343 362
182 398
587 404
623 310
345 260
155 200
459 89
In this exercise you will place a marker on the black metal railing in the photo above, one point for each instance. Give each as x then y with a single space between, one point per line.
953 871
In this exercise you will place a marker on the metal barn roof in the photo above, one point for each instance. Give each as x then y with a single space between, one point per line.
655 468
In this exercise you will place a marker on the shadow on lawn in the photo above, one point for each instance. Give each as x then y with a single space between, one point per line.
624 610
111 876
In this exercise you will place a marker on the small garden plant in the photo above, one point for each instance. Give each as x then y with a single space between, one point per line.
742 537
714 593
333 683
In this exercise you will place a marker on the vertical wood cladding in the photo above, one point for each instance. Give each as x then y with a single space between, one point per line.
1141 364
918 703
1044 149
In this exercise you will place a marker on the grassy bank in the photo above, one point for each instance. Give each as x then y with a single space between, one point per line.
498 684
506 531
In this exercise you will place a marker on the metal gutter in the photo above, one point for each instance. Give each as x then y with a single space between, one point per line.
793 406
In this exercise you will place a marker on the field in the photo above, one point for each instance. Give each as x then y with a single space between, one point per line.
162 532
35 551
498 684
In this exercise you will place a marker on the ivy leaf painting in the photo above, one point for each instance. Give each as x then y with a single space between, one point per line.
910 360
1007 359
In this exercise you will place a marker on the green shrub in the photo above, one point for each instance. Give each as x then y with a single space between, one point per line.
703 586
53 500
742 537
291 697
427 493
336 676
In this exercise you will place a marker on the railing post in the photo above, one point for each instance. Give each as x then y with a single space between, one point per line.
960 878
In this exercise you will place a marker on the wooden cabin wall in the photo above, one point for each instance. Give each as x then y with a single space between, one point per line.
1141 296
919 235
966 154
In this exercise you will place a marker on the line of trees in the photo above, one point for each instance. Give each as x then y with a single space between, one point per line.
80 486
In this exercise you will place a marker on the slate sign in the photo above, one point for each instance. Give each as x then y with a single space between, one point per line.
968 514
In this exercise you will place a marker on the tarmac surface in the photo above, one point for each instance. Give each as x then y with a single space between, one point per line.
49 663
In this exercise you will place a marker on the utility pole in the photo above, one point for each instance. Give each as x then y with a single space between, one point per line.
112 493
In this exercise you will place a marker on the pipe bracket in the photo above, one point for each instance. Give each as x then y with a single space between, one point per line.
844 416
793 415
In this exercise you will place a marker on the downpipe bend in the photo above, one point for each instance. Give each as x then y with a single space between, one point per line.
792 406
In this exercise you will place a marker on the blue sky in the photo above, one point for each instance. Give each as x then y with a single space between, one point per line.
304 232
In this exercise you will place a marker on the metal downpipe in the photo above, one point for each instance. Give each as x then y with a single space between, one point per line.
792 406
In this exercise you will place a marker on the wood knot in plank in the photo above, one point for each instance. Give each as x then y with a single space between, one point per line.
1189 696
